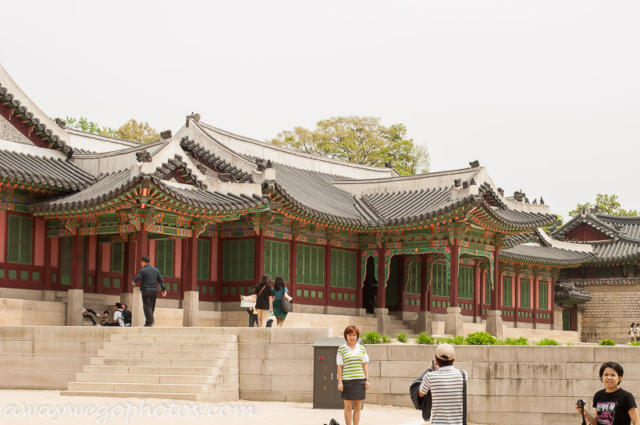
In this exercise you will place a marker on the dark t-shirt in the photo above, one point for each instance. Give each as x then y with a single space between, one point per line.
262 302
613 408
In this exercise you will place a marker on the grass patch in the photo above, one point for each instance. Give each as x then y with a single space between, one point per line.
480 338
423 338
607 342
548 341
402 337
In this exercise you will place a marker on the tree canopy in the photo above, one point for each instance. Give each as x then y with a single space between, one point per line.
131 130
361 140
607 204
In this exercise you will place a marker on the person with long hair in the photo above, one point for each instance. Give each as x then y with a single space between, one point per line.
613 405
280 290
263 295
353 374
633 333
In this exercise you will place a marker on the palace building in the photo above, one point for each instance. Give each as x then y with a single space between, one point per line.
215 211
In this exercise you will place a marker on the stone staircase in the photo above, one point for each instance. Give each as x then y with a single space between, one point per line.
397 325
182 364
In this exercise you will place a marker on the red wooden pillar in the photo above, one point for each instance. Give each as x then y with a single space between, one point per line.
477 297
130 267
189 264
76 262
259 266
425 302
294 266
483 289
382 290
453 287
495 293
401 283
48 270
218 287
327 274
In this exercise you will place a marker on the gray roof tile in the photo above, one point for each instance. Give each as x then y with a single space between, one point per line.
546 255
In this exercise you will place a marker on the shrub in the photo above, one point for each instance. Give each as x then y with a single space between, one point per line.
480 338
459 340
517 341
444 340
570 344
402 337
606 342
635 343
423 338
372 337
548 341
386 339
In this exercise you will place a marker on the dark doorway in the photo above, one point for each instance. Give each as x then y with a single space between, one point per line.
393 284
370 288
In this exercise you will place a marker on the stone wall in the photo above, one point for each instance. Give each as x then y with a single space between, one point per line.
508 384
612 309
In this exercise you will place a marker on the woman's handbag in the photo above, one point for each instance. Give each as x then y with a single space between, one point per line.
286 304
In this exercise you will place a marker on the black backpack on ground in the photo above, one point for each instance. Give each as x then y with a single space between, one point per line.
126 317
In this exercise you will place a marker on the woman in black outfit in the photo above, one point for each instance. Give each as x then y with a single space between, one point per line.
264 300
613 405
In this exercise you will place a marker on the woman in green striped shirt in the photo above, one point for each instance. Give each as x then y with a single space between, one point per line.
353 374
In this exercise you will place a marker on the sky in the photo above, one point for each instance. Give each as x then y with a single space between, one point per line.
546 94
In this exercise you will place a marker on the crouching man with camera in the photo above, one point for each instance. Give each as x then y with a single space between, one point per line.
614 406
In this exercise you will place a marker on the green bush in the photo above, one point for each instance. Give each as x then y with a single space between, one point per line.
480 338
444 340
517 341
548 341
372 337
635 343
402 337
459 340
423 338
606 342
570 344
386 339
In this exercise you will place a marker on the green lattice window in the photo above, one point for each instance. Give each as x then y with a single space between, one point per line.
20 244
343 269
238 260
465 283
413 278
276 259
164 257
204 259
66 253
117 257
310 265
487 291
525 296
544 296
441 285
507 291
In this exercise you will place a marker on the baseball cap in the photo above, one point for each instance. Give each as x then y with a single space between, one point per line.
445 352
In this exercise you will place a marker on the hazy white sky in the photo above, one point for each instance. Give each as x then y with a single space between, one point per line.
546 94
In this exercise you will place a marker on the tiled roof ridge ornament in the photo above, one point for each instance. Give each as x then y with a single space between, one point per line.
61 123
143 156
519 196
501 190
194 116
474 164
595 210
260 164
457 182
541 201
388 164
535 201
165 135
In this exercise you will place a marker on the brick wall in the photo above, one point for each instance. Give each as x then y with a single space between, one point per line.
612 309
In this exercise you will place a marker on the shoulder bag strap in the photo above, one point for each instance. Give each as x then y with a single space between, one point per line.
464 397
261 290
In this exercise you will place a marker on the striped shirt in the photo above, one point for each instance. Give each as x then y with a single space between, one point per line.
351 361
446 392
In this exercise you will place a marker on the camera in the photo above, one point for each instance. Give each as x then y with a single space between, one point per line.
581 403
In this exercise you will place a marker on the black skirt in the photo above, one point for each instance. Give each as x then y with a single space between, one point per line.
353 389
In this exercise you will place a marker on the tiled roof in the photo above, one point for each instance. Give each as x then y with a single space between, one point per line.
566 292
27 118
605 281
214 161
620 250
534 253
518 239
114 184
589 219
176 167
55 172
628 226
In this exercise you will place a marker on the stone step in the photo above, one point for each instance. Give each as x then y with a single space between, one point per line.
173 338
150 379
165 354
144 370
160 362
151 388
164 346
130 394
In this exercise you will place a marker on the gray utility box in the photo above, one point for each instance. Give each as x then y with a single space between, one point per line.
325 374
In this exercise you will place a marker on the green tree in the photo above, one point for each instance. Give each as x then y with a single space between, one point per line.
137 132
83 124
607 204
361 140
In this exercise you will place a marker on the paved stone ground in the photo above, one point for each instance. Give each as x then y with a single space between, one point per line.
21 407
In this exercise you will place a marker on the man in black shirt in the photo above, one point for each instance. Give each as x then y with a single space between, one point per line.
150 277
